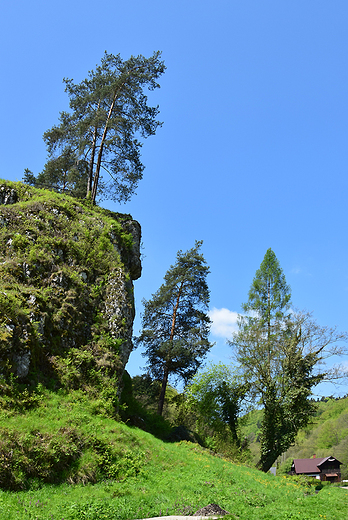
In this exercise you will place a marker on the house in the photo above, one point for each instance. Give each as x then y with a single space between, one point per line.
326 468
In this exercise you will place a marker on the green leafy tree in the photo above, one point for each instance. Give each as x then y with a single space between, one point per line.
280 353
175 323
216 396
109 113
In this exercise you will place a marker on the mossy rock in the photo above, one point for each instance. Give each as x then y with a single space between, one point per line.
66 291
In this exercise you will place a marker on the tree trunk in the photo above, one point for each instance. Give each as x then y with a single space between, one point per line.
163 391
64 180
91 162
271 430
265 464
166 368
269 327
101 147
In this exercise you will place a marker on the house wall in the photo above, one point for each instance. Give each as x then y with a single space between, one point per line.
330 469
326 477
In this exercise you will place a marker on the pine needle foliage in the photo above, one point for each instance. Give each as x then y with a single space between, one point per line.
109 115
175 323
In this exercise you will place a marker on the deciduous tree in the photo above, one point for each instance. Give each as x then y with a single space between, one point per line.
216 396
281 355
175 323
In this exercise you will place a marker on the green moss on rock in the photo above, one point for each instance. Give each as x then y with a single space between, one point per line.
66 292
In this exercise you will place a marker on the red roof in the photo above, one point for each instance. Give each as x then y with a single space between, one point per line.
312 465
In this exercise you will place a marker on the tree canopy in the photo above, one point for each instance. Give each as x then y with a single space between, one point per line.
109 114
215 395
280 354
175 323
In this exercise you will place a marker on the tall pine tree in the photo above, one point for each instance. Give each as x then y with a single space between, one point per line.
109 114
175 323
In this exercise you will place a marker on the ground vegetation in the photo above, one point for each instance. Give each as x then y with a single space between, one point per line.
69 460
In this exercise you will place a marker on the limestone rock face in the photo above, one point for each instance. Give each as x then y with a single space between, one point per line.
66 286
134 262
119 311
7 195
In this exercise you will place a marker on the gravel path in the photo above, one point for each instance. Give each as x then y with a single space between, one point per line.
181 518
211 510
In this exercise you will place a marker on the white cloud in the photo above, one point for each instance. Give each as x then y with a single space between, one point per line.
301 271
296 270
224 322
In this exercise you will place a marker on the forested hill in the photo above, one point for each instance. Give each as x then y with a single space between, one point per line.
326 435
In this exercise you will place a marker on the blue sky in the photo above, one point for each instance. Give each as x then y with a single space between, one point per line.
253 151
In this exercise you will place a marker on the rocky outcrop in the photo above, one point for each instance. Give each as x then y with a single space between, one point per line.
8 195
66 287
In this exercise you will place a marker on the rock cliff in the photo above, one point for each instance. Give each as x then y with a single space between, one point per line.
66 289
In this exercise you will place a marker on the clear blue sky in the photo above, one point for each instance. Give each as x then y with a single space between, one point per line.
253 151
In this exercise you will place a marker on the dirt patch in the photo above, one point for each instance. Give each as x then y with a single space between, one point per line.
210 510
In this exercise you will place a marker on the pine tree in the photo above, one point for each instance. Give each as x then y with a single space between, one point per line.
175 323
64 174
109 113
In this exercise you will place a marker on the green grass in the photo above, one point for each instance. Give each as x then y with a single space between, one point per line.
178 479
139 476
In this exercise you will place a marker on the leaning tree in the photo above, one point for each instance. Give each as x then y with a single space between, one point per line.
109 114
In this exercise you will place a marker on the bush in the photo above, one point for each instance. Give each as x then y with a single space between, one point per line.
36 456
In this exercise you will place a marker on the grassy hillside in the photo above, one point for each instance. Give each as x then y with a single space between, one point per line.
66 459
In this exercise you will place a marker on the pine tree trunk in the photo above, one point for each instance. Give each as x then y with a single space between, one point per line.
100 153
163 390
166 368
102 143
91 162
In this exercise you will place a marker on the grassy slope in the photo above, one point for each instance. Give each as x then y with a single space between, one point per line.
142 476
